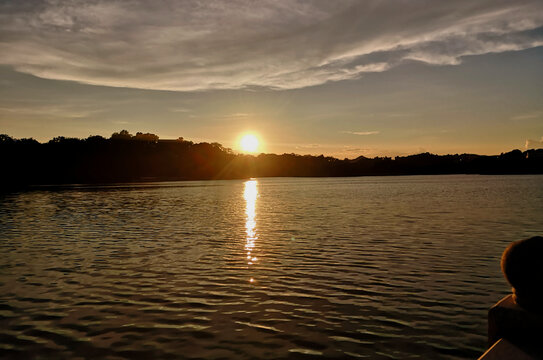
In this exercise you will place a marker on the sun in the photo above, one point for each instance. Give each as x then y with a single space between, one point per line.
249 143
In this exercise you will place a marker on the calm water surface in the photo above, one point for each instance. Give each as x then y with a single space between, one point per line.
371 267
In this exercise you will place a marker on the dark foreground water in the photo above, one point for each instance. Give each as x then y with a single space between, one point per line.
373 267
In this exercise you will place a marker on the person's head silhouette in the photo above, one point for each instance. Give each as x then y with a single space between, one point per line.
522 265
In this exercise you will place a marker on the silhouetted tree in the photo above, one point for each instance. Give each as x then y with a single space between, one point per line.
146 137
122 135
6 139
144 157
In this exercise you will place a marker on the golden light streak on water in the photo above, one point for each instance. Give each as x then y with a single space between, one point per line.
250 194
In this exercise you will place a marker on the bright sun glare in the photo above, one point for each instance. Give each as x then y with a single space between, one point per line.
249 143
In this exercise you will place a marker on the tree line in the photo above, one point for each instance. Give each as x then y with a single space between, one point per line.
144 157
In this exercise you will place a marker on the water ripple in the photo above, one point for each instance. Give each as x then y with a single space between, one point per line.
379 268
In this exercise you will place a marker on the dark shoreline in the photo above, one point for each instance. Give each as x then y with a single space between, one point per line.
97 160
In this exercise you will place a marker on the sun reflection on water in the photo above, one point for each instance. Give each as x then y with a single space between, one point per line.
250 194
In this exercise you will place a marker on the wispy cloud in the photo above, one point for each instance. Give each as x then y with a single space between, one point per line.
279 44
180 110
239 115
360 132
50 110
528 116
236 116
308 146
534 144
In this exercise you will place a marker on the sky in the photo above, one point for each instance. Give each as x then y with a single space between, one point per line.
340 78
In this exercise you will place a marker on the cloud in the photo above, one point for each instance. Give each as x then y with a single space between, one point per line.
528 116
238 115
50 110
308 146
360 132
180 110
534 144
279 44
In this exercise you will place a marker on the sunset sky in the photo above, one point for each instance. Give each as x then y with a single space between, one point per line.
340 78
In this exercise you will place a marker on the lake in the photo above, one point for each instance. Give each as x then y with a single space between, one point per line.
273 268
